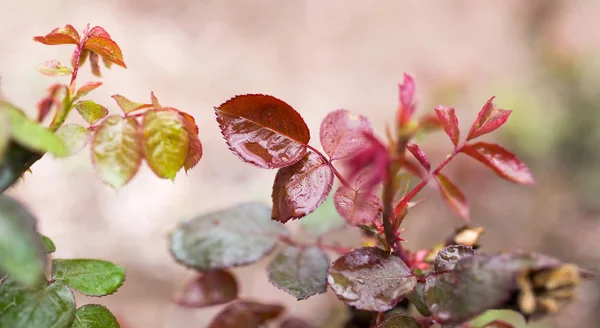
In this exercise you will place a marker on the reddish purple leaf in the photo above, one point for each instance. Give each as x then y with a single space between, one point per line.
407 92
420 155
447 117
294 323
357 207
489 119
342 133
503 162
372 163
453 196
46 104
299 189
246 314
194 145
263 130
211 288
65 35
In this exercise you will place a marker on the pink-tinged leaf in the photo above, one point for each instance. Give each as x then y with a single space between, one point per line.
429 122
98 31
155 102
407 93
503 162
246 314
300 188
127 105
74 136
95 64
413 167
448 119
106 48
209 289
263 130
357 207
65 35
117 150
91 111
86 88
46 104
453 196
489 119
165 142
372 162
420 155
194 145
342 133
53 68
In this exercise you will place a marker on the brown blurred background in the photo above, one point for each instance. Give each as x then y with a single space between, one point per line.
541 58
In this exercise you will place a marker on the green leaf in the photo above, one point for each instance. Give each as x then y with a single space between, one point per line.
397 320
91 111
117 150
127 105
74 136
165 142
300 271
89 277
4 134
45 306
371 279
324 219
94 316
32 135
235 236
22 254
48 245
53 68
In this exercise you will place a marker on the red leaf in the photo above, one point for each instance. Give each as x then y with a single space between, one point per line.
194 145
419 155
65 35
211 288
342 133
429 122
447 117
246 314
503 162
105 47
489 119
263 130
299 189
357 207
407 92
45 105
374 159
98 31
294 323
86 88
453 196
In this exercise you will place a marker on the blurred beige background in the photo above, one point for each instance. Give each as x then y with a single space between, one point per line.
539 57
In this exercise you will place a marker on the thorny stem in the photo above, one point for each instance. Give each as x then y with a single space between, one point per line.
338 249
328 161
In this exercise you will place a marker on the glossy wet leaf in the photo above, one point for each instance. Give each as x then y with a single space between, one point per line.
64 35
420 155
447 118
74 136
263 130
235 236
300 188
89 277
117 150
489 119
370 279
503 162
357 207
324 219
22 254
300 271
127 105
48 245
342 133
86 88
246 314
165 142
32 135
294 323
194 152
91 111
53 68
94 316
106 48
39 307
397 320
210 288
447 258
479 283
454 198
